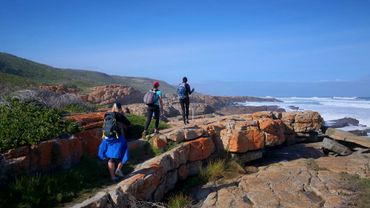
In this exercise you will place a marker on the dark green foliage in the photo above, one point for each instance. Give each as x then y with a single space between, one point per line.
29 123
137 126
48 190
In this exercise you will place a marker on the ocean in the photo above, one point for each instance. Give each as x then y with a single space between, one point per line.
330 108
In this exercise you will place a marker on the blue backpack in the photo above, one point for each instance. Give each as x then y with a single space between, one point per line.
181 91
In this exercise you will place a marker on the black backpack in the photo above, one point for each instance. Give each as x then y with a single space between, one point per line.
110 127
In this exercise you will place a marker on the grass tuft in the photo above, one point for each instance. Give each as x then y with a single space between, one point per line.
179 200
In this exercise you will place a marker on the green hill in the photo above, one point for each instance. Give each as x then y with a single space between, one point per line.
19 73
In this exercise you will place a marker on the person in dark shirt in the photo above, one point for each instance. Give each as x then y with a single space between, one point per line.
113 148
184 102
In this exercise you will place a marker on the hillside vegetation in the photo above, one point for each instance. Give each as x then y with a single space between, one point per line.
19 73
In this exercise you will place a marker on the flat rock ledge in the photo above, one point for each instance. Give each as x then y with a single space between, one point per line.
205 139
303 182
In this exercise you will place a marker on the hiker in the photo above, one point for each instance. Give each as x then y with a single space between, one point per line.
154 101
114 145
183 91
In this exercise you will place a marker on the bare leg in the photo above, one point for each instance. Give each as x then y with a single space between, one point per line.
119 170
119 166
111 167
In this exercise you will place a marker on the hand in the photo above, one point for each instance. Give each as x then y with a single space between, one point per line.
192 90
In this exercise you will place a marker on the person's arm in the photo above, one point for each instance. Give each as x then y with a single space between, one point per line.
187 86
161 101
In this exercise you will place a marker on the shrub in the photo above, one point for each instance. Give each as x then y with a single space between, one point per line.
221 168
48 190
57 100
25 123
179 201
214 170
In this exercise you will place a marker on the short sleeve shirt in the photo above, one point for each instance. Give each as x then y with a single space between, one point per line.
159 94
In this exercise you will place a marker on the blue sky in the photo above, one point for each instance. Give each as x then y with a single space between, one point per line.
251 47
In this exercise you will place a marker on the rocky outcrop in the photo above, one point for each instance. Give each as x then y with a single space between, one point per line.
172 109
343 122
243 135
221 101
108 94
240 135
62 89
298 183
232 110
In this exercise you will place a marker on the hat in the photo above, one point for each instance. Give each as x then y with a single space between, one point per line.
156 84
184 79
118 104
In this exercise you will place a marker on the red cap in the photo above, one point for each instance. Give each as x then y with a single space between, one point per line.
156 84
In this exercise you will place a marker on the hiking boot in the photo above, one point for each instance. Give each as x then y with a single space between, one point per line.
156 131
119 173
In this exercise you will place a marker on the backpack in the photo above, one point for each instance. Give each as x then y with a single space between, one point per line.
181 91
150 97
110 127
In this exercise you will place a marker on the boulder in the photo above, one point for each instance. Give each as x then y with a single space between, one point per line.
308 121
108 94
200 149
159 142
331 145
340 135
343 122
242 138
274 130
193 133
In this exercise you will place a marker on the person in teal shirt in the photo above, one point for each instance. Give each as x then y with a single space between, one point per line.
155 108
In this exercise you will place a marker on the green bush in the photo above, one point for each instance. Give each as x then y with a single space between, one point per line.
48 190
29 123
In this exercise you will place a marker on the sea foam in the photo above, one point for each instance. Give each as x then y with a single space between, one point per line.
330 108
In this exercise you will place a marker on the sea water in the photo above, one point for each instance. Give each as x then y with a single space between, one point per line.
330 108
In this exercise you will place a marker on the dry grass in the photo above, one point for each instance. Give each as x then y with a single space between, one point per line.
221 168
179 201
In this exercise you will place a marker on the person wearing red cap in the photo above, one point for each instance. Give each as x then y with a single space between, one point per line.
155 108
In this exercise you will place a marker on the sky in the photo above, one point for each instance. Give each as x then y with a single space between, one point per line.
249 47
